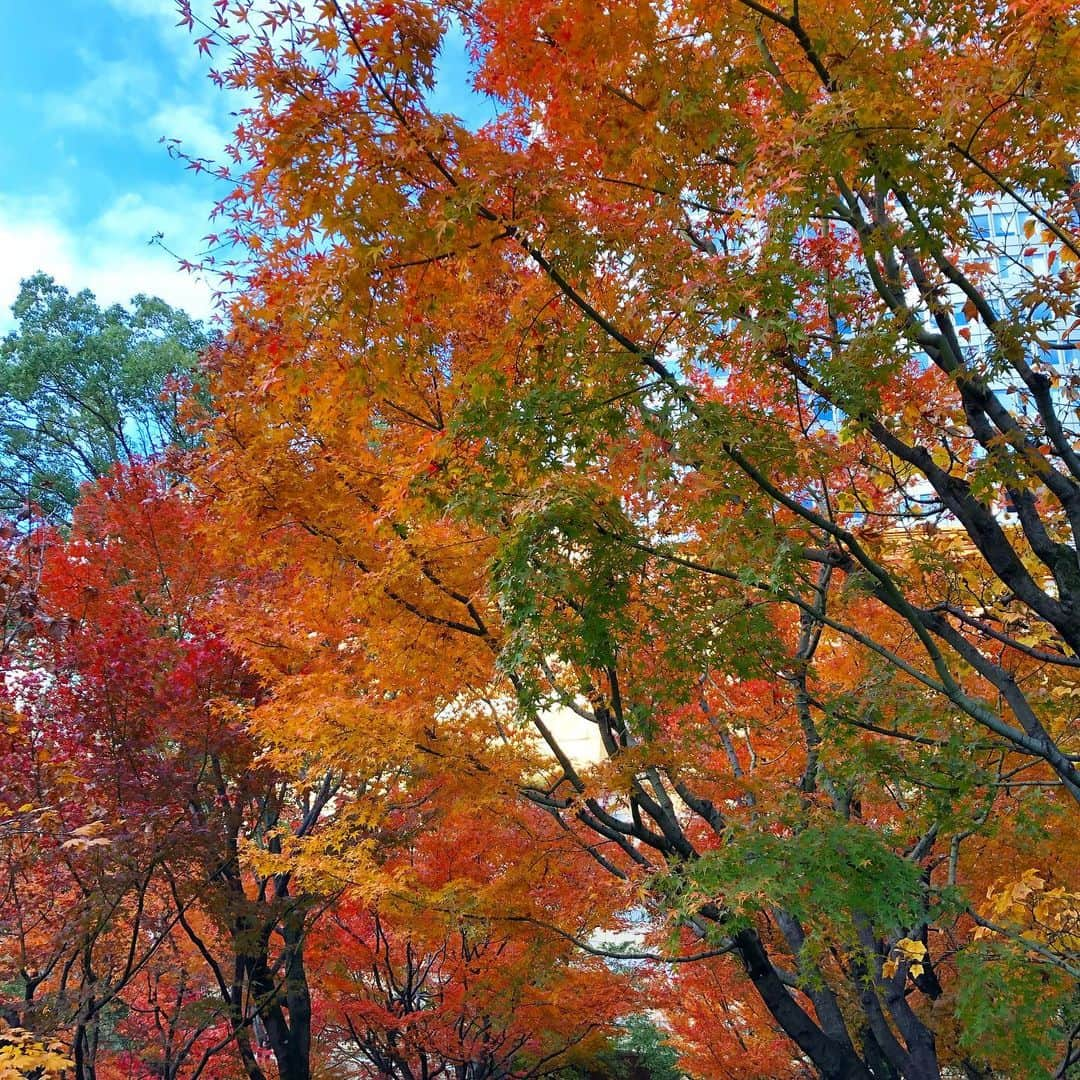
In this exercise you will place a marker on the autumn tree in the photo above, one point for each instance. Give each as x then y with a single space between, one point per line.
133 788
692 396
156 914
408 994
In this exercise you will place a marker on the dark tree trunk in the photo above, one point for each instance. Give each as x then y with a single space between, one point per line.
834 1060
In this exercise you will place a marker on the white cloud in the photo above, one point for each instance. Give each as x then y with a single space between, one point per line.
164 15
104 101
109 256
146 95
196 128
133 218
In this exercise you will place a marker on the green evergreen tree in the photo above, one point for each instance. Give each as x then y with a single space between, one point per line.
82 387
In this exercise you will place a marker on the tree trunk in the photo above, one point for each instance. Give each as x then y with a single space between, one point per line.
832 1059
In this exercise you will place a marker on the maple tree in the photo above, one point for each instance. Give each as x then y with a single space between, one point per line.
718 1031
530 415
716 398
150 917
134 787
455 1001
21 1055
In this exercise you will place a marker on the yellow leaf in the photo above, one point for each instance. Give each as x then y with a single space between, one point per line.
93 828
911 950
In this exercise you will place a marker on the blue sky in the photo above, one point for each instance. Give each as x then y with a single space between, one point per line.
89 88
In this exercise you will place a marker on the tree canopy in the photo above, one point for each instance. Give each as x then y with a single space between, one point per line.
717 399
82 387
689 394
